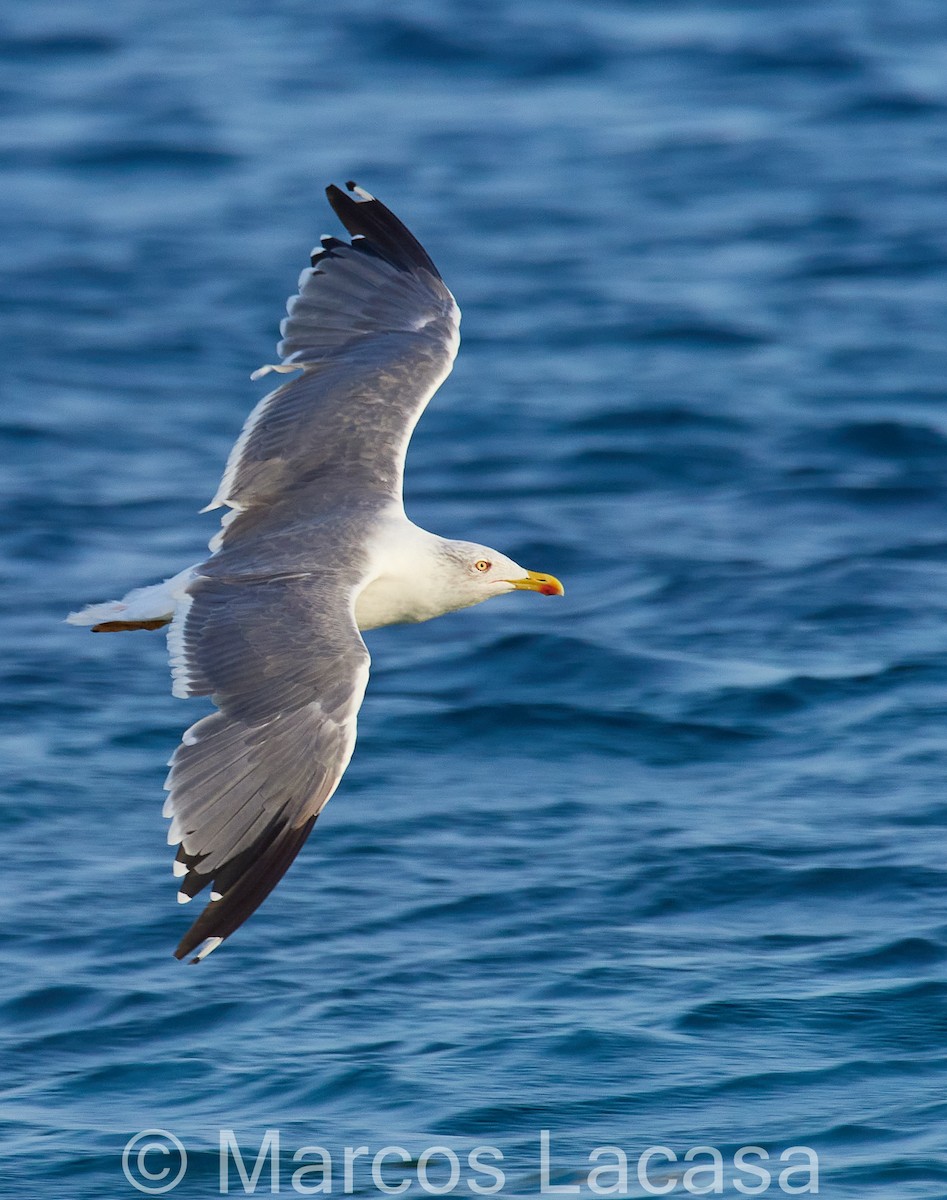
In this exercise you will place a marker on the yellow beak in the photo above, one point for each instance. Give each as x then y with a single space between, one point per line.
547 585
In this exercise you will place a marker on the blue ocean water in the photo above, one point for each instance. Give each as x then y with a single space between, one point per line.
660 864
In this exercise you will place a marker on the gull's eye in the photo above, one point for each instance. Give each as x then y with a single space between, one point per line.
482 565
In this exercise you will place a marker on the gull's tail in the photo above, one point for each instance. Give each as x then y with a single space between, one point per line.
144 608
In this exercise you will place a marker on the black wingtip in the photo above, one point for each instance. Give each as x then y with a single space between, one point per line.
245 882
381 229
351 184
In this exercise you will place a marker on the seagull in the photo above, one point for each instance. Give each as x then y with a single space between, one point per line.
314 548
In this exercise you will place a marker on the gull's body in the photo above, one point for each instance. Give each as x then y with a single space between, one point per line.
315 546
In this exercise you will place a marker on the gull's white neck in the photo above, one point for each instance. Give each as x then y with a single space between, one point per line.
406 578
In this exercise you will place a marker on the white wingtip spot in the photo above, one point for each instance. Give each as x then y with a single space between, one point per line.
216 896
184 898
360 192
208 948
178 869
280 368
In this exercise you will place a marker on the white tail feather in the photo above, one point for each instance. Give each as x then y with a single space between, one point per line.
153 603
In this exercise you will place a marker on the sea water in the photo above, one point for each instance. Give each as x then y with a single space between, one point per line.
657 865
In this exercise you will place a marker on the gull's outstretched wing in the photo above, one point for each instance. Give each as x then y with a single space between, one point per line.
266 626
374 332
286 666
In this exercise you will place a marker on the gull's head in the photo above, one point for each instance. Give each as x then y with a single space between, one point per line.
475 573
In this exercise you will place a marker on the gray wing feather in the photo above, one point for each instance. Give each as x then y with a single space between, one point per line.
284 663
348 295
341 428
374 331
267 626
261 647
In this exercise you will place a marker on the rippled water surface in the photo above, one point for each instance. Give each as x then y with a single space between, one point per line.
658 864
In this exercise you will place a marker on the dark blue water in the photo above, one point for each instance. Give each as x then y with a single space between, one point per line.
658 864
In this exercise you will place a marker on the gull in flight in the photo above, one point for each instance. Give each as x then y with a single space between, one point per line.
314 547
